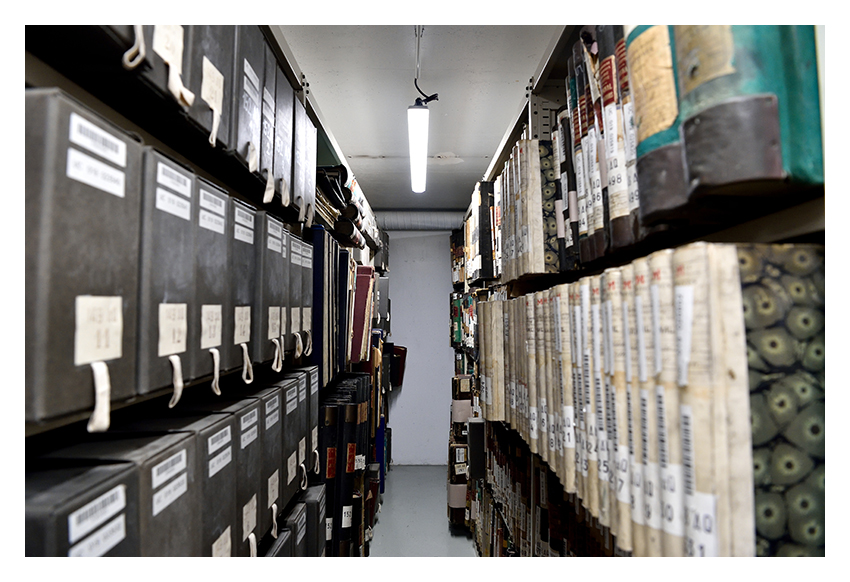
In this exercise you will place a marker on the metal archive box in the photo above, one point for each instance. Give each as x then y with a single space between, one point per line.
83 208
167 277
212 304
242 273
81 508
215 469
169 491
269 288
209 76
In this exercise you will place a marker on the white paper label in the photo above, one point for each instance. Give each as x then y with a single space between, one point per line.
569 427
623 485
218 440
656 325
84 168
221 548
91 515
210 221
103 540
170 493
173 204
274 323
244 218
251 75
99 325
701 514
307 318
652 495
637 493
89 136
460 455
249 517
684 330
296 319
210 326
291 399
242 325
220 461
640 339
212 202
173 180
272 412
172 329
273 487
291 467
273 244
347 514
212 85
314 384
329 528
243 234
302 389
532 421
165 470
673 499
249 436
315 438
359 462
302 450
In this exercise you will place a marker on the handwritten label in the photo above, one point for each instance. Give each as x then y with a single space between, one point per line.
242 324
172 329
249 517
103 540
210 326
221 548
273 487
99 326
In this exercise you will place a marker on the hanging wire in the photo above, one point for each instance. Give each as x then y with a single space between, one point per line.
418 31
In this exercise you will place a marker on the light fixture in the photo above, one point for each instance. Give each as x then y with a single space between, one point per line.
417 129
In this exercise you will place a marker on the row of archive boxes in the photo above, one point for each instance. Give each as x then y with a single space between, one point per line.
140 274
215 476
223 82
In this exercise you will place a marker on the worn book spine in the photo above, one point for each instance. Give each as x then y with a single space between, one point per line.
598 399
592 482
587 249
562 307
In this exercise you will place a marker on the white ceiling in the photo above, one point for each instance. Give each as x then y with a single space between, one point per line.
361 77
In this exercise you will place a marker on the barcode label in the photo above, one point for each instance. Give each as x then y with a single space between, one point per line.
91 137
291 399
218 440
251 75
168 468
170 493
173 179
220 461
272 406
684 330
86 169
644 425
662 427
249 419
103 540
272 418
96 512
314 384
686 420
210 221
302 389
212 202
627 342
244 217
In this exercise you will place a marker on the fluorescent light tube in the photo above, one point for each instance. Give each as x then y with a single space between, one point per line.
417 131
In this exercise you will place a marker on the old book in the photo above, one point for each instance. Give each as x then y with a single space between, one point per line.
599 399
589 399
566 358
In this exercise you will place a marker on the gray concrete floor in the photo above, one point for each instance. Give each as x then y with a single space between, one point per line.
413 521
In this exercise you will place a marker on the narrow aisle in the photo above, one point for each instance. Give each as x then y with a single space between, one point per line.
413 521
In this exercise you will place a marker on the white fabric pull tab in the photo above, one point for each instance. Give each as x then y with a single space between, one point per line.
178 90
99 420
277 363
317 465
247 368
274 520
284 192
216 122
299 346
252 544
302 212
303 477
308 349
176 379
216 360
309 222
136 53
268 195
253 157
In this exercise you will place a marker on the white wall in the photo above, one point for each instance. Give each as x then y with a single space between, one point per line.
420 283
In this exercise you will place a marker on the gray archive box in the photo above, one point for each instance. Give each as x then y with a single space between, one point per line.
315 501
248 71
283 140
83 208
301 429
269 287
248 456
169 491
282 546
167 270
81 509
268 108
271 435
211 79
295 292
310 171
299 157
296 521
242 277
307 297
212 304
286 335
215 470
312 415
290 476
